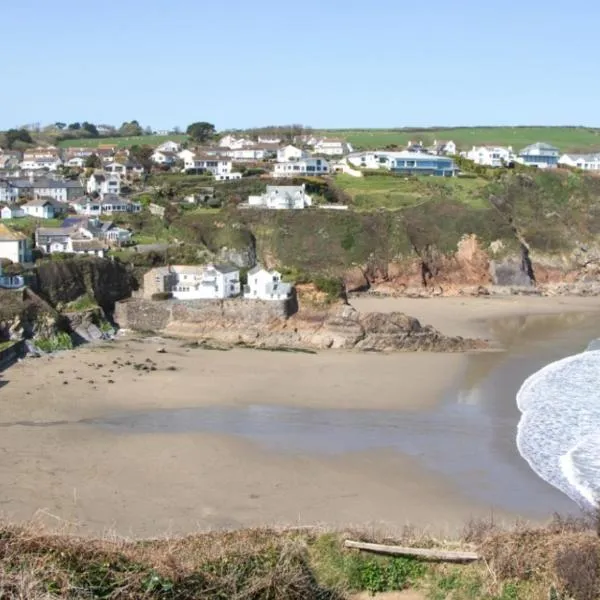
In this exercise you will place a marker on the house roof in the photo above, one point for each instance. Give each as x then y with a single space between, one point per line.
225 268
80 245
539 146
8 235
45 183
41 201
256 269
53 231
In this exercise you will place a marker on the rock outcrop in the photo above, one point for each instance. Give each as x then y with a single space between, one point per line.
263 325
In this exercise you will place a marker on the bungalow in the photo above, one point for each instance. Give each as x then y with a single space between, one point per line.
163 158
14 245
443 148
266 285
289 153
107 205
208 282
332 147
305 166
540 155
94 228
491 156
417 163
269 141
368 159
41 152
282 197
82 152
69 240
168 146
104 183
43 207
12 212
252 154
587 162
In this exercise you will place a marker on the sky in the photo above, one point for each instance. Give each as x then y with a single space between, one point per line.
320 63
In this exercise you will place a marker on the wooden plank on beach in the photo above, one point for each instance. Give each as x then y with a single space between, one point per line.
425 553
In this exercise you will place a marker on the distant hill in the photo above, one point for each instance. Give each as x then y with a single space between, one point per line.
568 139
122 142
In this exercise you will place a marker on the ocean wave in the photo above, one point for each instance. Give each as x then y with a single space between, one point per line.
558 431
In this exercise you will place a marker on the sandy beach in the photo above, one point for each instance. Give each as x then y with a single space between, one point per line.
93 443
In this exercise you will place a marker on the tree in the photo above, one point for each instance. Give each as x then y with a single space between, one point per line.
90 128
75 126
201 131
141 155
17 135
93 161
131 129
60 125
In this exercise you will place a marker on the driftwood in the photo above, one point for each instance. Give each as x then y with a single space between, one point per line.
427 554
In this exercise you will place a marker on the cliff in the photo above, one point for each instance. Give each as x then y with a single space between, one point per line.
262 324
61 282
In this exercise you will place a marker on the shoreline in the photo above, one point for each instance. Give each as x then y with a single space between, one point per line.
169 449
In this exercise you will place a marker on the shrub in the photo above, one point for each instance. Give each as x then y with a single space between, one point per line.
332 286
60 341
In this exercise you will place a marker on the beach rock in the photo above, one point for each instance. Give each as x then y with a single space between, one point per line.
355 280
511 273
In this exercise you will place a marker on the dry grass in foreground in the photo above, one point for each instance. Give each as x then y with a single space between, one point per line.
560 561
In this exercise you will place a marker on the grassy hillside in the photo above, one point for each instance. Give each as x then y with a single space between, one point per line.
565 138
122 142
384 191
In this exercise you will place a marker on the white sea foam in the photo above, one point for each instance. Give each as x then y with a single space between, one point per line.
559 431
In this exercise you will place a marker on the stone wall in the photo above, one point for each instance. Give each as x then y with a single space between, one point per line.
142 314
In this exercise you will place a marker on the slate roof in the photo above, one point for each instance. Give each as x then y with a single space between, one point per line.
226 269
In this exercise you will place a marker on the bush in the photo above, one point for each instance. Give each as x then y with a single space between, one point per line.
60 341
162 296
332 286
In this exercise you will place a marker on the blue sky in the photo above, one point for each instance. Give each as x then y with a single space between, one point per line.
324 63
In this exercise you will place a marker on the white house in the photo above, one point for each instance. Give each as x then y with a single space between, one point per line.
443 148
77 162
43 208
37 164
14 245
305 166
491 156
282 197
168 146
104 183
289 153
12 212
368 160
540 155
230 141
163 158
332 147
250 154
209 282
266 285
267 140
587 162
219 167
186 156
116 168
69 240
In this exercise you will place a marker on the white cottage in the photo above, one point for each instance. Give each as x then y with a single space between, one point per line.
281 197
266 285
14 245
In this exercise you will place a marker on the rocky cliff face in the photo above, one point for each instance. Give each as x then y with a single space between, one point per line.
60 282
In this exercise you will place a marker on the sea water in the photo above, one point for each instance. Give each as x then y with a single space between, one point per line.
559 430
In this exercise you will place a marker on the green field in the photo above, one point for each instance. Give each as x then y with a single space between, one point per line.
122 142
369 193
566 138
